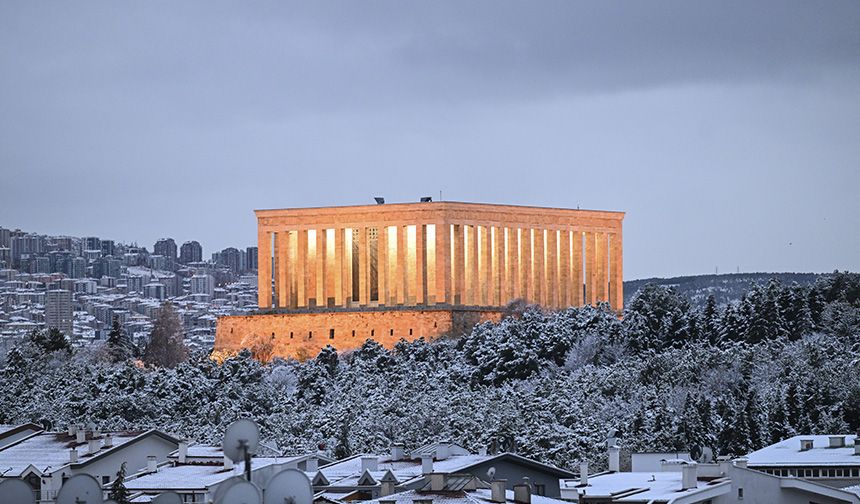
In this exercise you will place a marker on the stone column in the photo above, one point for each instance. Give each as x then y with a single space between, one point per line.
602 255
382 266
282 286
576 274
363 266
320 264
402 272
539 267
302 268
590 269
347 267
564 265
443 263
420 289
527 281
485 281
339 248
499 267
617 285
473 274
459 264
552 297
512 270
264 268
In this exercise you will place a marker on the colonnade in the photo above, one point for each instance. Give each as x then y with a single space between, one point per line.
442 262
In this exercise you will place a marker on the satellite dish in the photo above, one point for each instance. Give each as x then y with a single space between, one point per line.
109 501
243 492
707 455
242 437
695 453
224 486
16 491
167 498
80 489
288 486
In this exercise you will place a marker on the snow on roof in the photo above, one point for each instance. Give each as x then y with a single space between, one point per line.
643 486
348 471
194 477
788 453
479 496
49 451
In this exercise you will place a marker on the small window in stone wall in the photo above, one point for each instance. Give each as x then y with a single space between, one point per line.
372 331
291 335
391 332
353 333
331 334
410 332
310 334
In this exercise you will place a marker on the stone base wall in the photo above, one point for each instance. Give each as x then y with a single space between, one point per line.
303 335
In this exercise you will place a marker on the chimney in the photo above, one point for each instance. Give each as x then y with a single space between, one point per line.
228 464
857 446
183 451
151 464
614 459
583 473
312 465
97 432
80 436
443 450
93 446
805 444
689 476
437 482
73 456
369 464
497 491
426 464
397 452
837 441
522 493
741 462
73 429
107 441
387 488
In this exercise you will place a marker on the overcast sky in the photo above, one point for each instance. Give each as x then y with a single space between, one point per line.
728 131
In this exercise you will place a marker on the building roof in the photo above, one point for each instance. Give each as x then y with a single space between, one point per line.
788 453
639 486
197 477
49 451
479 496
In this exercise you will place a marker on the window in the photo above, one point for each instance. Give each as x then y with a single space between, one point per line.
105 480
391 332
331 334
740 493
410 332
540 489
310 334
353 333
291 335
371 332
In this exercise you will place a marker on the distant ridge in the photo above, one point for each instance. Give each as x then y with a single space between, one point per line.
726 288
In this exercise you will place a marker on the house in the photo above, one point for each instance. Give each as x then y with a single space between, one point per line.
682 481
46 460
832 460
370 476
467 489
196 472
10 434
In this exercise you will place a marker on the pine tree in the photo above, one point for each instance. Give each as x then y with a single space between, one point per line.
118 492
119 347
57 341
166 346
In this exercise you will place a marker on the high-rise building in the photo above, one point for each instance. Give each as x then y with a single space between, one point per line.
58 310
251 258
91 243
5 237
232 258
191 251
202 283
166 247
108 247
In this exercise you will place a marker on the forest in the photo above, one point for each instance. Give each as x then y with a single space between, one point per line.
782 360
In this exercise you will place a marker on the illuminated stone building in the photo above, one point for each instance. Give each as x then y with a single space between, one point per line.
409 270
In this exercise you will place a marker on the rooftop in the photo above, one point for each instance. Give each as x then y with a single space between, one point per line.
789 453
638 486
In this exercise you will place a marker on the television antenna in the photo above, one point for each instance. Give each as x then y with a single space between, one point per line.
80 489
17 491
167 498
242 492
241 440
289 486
